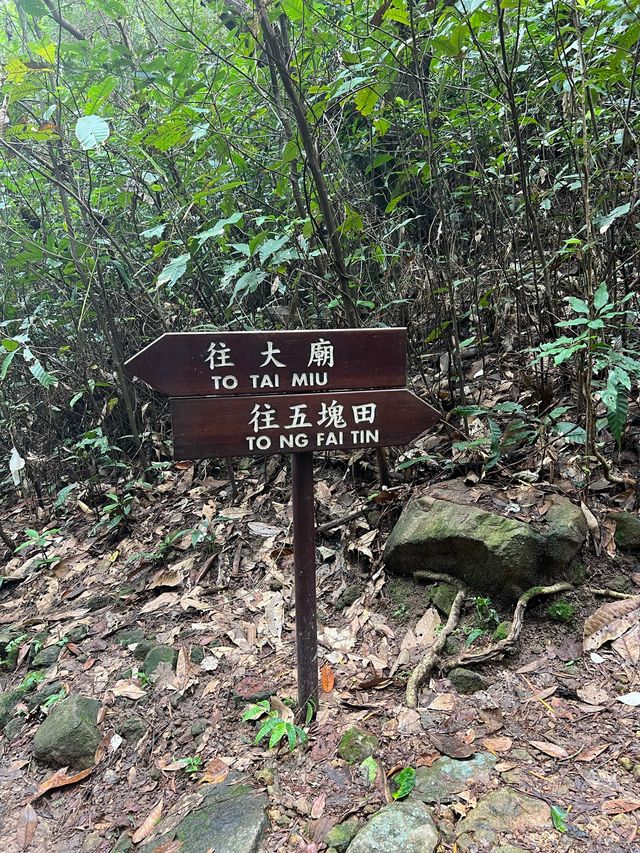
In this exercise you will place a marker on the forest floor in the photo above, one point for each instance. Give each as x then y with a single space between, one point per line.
549 714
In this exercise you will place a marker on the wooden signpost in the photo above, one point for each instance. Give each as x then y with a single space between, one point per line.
255 393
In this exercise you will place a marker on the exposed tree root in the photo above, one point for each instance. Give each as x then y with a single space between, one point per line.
500 648
422 670
496 650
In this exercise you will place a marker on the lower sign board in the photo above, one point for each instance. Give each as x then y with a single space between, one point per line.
296 423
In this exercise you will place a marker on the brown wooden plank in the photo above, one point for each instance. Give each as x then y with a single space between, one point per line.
193 364
262 425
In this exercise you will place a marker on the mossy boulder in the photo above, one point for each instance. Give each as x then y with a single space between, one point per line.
69 736
229 818
341 835
47 656
447 777
501 556
132 728
8 701
356 745
442 597
158 655
467 681
405 827
627 535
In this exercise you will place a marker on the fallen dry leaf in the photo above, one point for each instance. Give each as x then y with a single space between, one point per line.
505 766
551 749
632 699
628 645
317 808
60 779
215 771
591 752
165 577
443 702
592 695
497 744
451 746
327 678
169 847
620 806
152 819
610 621
128 689
27 823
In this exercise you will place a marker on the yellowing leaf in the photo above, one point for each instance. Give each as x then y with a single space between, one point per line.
610 621
366 100
551 749
327 678
27 823
146 828
59 780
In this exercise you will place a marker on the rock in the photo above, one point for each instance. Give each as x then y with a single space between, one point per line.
98 601
129 636
467 681
620 583
407 827
442 597
501 632
198 728
78 633
502 556
123 844
158 655
449 776
341 835
132 728
47 656
196 655
8 702
230 818
348 595
356 745
504 812
13 728
251 689
43 694
627 535
69 736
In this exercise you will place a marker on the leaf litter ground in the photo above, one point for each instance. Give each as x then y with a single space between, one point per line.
550 713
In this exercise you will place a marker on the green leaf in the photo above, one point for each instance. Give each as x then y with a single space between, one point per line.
156 231
578 305
293 9
63 494
473 636
559 818
405 780
267 727
279 731
366 100
571 432
605 222
91 131
10 345
601 297
370 769
174 271
270 247
248 282
253 712
219 228
44 378
98 94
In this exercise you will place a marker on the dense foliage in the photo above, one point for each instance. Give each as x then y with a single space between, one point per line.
467 168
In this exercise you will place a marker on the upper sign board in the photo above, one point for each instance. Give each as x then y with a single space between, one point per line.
231 364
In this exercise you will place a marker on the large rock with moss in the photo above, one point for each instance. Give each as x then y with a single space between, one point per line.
356 745
627 535
8 702
407 827
498 555
69 736
228 818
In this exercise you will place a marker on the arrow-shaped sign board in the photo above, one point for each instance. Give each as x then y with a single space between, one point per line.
246 393
296 423
227 364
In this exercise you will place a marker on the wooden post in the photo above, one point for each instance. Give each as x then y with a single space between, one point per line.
304 556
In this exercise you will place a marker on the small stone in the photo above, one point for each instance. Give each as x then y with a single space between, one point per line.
129 636
123 844
8 702
356 745
196 655
91 842
406 827
447 777
13 728
47 656
97 602
501 631
250 690
340 836
467 681
110 777
158 655
442 596
265 776
620 583
43 694
78 633
504 811
625 762
132 728
636 772
198 728
348 595
69 736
